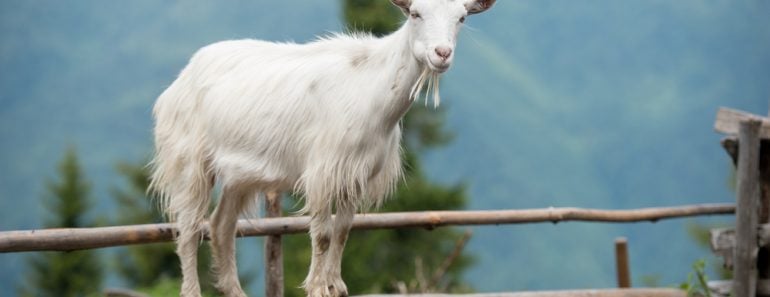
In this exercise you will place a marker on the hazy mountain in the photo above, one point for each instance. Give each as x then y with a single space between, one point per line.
605 104
598 104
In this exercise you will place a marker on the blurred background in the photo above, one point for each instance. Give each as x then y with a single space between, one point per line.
597 104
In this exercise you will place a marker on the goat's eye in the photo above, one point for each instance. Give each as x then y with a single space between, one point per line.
462 19
415 15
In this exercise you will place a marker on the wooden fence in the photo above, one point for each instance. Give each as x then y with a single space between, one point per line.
744 248
747 143
69 239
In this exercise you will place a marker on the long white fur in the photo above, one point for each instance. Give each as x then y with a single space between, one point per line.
320 118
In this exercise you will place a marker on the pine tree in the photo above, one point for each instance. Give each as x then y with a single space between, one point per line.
404 259
143 265
66 273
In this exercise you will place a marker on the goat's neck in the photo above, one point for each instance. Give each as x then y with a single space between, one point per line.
402 70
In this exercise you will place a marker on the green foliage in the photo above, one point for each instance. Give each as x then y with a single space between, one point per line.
150 266
700 233
423 129
697 281
378 17
169 287
381 261
69 198
650 280
66 273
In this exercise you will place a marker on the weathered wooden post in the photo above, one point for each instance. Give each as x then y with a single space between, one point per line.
747 213
273 252
621 263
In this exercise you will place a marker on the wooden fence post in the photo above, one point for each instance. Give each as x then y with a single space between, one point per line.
621 263
744 257
273 253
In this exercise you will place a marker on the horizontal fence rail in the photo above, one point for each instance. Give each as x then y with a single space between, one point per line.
565 293
69 239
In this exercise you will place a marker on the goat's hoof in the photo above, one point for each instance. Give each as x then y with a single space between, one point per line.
339 290
335 288
230 289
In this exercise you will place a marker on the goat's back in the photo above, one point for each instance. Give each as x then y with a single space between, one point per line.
258 111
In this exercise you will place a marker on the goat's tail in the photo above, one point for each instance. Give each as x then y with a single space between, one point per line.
182 185
181 176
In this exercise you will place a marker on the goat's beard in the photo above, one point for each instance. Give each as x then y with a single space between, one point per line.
426 85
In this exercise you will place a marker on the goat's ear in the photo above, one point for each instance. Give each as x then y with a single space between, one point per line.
478 6
403 4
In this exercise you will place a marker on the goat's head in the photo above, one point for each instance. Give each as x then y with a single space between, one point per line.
434 25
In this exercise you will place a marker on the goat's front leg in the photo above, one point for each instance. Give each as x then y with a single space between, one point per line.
343 220
316 284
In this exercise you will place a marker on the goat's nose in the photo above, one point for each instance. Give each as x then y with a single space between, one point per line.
444 52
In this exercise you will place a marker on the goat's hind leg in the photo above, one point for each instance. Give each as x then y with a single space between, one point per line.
343 220
187 249
190 207
316 284
223 223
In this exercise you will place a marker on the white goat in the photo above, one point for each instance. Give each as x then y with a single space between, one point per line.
321 119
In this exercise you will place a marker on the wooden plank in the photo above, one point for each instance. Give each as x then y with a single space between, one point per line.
273 250
723 244
69 239
746 245
728 122
621 263
564 293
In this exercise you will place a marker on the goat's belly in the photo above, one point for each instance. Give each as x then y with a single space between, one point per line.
253 170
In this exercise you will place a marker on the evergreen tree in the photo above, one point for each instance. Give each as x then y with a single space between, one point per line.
404 259
143 265
66 273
